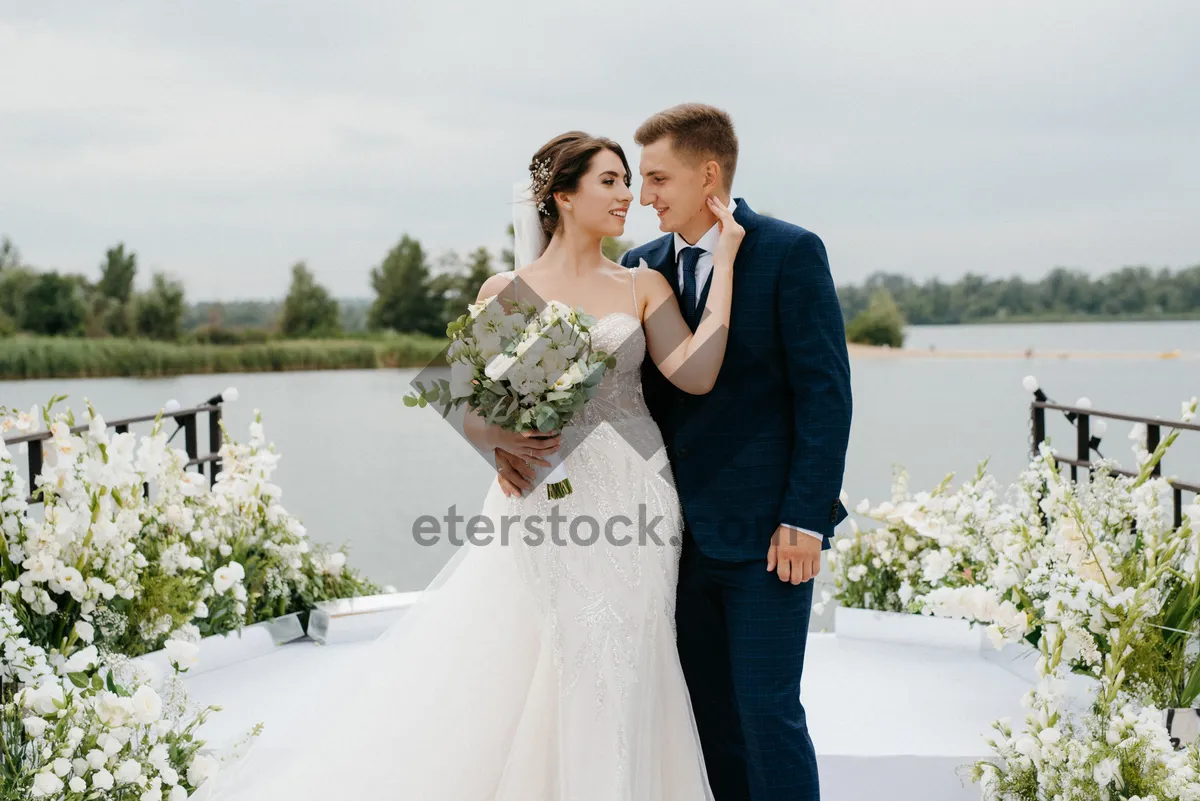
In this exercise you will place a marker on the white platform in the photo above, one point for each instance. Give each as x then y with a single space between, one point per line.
888 720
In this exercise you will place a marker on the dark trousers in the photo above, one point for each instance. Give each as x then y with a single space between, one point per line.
742 634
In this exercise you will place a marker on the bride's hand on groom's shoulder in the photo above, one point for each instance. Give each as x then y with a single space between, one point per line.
794 556
731 230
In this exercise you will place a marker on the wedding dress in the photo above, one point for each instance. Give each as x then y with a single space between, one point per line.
529 671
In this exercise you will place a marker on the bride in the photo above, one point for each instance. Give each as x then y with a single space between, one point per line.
541 666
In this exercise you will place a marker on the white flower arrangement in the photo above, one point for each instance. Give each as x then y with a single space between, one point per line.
1092 574
521 369
106 573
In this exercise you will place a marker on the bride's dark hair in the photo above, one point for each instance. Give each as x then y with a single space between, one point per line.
559 164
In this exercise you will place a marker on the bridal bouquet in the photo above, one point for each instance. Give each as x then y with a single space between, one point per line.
521 369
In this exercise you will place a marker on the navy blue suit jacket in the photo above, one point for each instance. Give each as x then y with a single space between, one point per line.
768 444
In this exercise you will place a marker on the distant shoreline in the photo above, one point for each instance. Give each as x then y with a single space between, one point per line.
1067 320
24 358
878 352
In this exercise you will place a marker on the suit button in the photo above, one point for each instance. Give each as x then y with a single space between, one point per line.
682 453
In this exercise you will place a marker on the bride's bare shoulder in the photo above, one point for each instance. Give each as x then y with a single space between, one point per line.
495 284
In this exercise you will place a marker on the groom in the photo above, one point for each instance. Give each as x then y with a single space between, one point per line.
758 461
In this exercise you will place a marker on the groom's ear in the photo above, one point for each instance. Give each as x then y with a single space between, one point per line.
712 176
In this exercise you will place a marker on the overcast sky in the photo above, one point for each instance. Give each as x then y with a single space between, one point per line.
223 141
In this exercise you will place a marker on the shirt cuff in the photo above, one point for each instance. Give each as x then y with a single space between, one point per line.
821 537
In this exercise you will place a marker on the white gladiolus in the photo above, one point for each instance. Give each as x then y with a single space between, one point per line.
84 630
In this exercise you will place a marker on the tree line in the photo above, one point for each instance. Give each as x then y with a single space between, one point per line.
1063 294
53 304
416 293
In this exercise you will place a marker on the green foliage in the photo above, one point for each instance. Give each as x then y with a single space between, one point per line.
117 274
10 257
24 357
216 335
403 301
15 283
53 306
881 323
308 310
160 310
458 285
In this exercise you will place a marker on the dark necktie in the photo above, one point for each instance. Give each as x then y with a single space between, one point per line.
691 256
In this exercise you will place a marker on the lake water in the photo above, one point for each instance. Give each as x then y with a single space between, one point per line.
359 468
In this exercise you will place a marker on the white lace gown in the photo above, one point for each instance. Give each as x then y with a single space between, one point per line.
529 671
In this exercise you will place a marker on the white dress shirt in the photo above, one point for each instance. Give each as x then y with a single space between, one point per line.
704 268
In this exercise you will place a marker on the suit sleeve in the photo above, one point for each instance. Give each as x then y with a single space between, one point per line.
818 375
625 257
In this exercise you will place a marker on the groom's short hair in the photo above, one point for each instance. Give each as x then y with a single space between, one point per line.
697 131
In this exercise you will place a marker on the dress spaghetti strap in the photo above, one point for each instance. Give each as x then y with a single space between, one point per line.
633 283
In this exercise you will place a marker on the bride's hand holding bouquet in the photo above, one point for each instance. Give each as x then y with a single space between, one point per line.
523 371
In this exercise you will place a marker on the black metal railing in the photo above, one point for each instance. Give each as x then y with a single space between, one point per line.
187 421
1085 442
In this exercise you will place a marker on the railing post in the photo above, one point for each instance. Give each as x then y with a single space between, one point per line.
1153 438
1039 427
189 436
35 463
214 443
1083 441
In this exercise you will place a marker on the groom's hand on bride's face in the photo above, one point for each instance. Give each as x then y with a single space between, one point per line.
794 556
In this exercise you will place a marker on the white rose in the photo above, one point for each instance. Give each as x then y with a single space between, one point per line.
462 376
498 366
42 699
77 784
35 727
46 783
128 771
96 759
147 706
177 794
203 767
113 710
103 780
82 660
182 654
62 766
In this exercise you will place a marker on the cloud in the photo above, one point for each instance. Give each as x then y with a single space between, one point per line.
224 141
